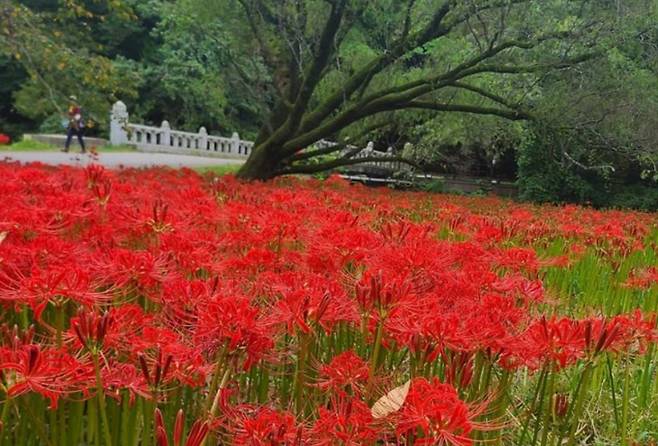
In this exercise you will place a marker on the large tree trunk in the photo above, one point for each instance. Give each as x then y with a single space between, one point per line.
260 165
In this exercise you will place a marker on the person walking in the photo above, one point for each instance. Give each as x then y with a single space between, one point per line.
76 124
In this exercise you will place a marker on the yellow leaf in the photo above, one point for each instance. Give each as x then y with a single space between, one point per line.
391 402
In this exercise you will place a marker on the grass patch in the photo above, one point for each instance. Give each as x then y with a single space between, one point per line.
30 145
219 170
27 145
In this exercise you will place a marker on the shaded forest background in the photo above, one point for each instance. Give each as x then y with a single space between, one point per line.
594 138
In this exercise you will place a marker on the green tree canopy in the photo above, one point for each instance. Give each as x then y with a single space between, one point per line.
341 68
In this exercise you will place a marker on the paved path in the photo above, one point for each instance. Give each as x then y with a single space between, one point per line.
117 159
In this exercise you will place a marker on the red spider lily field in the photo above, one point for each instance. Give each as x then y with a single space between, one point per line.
160 307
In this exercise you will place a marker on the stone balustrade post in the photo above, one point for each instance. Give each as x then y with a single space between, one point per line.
119 124
203 139
165 134
235 143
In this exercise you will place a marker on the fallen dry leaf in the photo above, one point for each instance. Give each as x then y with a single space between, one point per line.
391 402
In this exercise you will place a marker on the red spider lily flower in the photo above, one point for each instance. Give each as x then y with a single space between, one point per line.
51 373
518 259
117 376
637 331
126 324
642 279
232 323
522 288
433 414
132 271
561 405
302 301
396 233
559 341
459 368
158 222
157 344
373 291
196 437
102 191
346 423
161 368
54 285
16 338
94 174
91 328
266 427
346 370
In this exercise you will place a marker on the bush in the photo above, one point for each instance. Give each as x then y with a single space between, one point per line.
546 177
435 185
636 196
52 124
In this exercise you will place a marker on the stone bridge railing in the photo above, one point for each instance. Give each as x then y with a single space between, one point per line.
163 139
367 152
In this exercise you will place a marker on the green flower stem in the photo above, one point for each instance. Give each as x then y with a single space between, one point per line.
579 403
300 372
374 358
614 394
147 428
222 385
548 410
102 408
215 405
3 417
625 404
541 387
37 422
217 373
126 427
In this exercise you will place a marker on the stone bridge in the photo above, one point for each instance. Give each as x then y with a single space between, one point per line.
164 139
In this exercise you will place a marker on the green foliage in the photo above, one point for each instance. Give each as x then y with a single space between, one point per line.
545 176
56 47
435 186
54 123
636 196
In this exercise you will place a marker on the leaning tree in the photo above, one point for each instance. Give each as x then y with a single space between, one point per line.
334 66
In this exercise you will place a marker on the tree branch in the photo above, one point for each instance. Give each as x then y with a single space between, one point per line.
365 75
360 80
467 68
513 115
396 102
484 93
